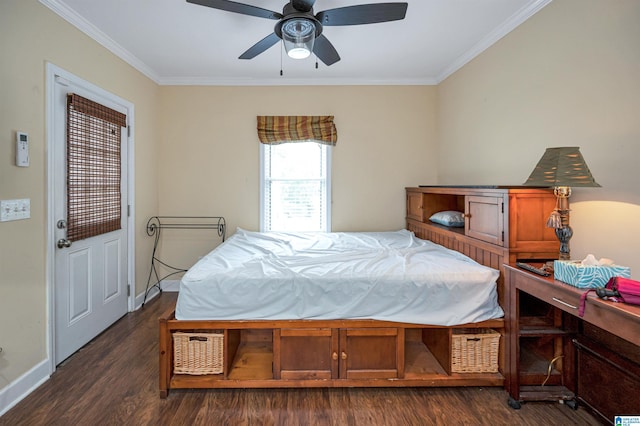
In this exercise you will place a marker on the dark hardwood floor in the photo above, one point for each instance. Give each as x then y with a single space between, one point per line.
114 381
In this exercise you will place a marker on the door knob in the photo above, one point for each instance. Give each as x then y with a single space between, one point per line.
63 242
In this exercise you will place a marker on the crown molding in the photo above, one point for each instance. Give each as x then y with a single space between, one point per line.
101 38
107 42
283 81
68 14
509 25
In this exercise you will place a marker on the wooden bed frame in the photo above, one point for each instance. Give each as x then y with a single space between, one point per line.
369 353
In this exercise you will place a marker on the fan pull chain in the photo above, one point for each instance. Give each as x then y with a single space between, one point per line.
281 48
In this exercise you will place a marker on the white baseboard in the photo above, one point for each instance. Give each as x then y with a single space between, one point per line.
170 285
29 381
17 390
153 292
166 285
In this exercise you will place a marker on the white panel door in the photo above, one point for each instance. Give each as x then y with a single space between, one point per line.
90 288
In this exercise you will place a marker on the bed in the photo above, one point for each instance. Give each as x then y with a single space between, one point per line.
370 309
385 276
373 321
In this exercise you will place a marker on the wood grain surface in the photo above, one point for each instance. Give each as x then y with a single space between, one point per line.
113 380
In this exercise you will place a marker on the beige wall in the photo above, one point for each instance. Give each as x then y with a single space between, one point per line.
569 76
204 142
210 152
48 38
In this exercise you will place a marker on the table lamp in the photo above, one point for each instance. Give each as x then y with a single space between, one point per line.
561 168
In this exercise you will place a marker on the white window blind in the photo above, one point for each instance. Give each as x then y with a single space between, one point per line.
295 187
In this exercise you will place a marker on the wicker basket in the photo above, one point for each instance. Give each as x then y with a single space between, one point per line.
198 353
475 350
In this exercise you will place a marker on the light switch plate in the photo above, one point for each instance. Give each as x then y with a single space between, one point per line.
15 209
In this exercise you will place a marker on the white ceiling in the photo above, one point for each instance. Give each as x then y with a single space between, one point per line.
175 42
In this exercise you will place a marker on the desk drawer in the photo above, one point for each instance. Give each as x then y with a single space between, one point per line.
562 297
607 382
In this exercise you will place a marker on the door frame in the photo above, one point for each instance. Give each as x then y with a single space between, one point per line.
51 72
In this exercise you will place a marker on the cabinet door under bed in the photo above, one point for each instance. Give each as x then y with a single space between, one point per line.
331 353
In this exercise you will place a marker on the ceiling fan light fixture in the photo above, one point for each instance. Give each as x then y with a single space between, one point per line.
299 27
298 35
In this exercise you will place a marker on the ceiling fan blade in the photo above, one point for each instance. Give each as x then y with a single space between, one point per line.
363 14
303 5
244 9
324 50
260 46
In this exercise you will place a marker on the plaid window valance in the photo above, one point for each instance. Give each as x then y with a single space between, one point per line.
273 130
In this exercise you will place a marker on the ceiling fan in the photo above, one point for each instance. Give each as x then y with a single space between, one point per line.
301 30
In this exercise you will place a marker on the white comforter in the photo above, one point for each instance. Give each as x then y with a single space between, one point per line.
390 276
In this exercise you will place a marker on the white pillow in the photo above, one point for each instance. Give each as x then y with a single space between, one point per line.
449 218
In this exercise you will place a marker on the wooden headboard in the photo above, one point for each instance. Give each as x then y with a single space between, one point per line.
502 224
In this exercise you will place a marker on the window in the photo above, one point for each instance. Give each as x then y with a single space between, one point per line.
295 190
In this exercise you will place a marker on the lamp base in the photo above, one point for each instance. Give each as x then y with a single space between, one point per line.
564 234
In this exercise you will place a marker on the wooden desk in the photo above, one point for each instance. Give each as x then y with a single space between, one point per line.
559 325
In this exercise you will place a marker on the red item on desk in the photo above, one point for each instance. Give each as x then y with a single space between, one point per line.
617 289
629 290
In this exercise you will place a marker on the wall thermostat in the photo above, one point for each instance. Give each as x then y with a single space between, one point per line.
22 149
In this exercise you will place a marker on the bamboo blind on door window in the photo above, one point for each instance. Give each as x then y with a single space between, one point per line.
93 168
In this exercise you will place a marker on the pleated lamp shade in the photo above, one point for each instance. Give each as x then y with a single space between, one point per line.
563 166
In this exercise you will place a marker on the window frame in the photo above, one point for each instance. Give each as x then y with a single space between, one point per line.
327 173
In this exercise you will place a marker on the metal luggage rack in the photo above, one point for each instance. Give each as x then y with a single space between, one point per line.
156 224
